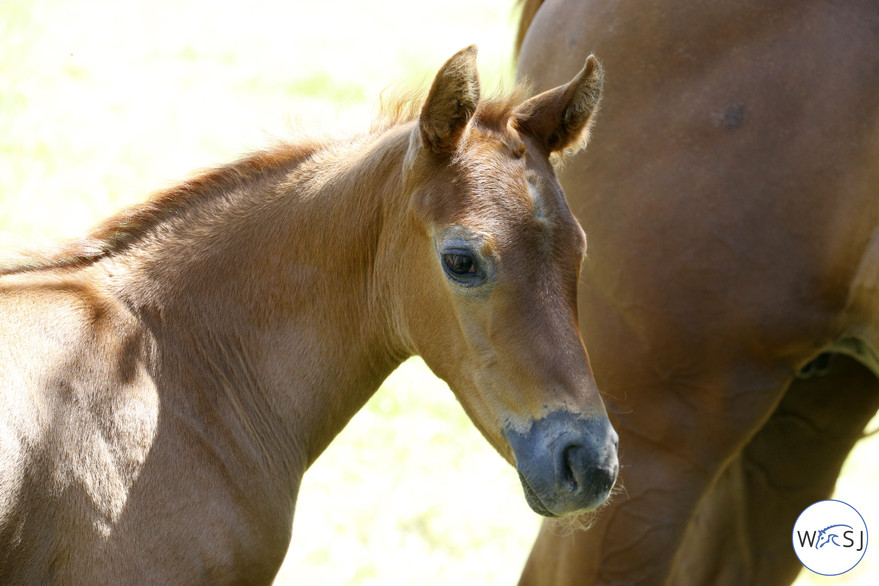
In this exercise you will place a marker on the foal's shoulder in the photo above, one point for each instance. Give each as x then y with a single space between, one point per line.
65 330
63 307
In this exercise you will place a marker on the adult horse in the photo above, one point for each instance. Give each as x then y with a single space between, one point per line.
731 197
168 379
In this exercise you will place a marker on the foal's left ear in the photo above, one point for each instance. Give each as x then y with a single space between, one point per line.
451 103
560 117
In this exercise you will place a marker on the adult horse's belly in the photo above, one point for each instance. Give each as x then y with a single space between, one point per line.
730 196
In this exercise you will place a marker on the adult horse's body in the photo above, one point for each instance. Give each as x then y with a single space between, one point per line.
167 381
731 197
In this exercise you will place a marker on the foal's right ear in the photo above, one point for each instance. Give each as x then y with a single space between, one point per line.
560 118
450 104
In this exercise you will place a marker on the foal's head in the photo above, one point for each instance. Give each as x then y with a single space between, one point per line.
495 260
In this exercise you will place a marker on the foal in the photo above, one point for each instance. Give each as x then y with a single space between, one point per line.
168 379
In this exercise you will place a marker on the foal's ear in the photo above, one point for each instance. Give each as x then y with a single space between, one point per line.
451 103
560 117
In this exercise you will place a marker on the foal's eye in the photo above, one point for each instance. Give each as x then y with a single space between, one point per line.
459 263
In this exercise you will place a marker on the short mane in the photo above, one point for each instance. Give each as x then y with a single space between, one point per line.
122 230
493 112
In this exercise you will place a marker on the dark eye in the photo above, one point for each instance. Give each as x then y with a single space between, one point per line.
459 263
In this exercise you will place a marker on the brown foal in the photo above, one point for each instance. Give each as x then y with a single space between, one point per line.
168 379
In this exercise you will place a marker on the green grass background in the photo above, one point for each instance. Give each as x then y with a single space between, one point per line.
103 102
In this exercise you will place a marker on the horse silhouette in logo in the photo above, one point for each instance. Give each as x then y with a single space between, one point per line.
826 536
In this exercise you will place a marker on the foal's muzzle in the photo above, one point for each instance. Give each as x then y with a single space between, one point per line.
567 464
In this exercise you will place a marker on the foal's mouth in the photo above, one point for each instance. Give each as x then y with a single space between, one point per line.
533 500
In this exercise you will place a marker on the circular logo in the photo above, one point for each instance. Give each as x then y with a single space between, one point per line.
830 537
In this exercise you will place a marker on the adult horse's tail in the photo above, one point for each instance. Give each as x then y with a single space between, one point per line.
529 10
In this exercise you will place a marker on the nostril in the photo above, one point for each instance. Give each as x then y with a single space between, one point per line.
579 474
572 467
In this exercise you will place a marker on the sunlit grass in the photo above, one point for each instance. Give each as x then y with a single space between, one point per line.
410 494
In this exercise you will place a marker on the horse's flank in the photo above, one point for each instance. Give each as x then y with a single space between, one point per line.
731 191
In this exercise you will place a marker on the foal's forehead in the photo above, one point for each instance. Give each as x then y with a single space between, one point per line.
514 189
503 179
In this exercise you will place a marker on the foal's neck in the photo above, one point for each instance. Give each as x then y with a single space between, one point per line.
269 297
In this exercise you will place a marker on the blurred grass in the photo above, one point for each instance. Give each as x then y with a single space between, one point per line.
102 102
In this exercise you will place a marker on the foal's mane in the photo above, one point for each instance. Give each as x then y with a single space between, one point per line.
492 113
124 229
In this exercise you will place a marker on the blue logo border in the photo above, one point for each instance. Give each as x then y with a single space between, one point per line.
866 530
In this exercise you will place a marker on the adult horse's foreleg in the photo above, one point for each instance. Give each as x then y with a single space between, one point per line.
741 532
675 446
629 541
